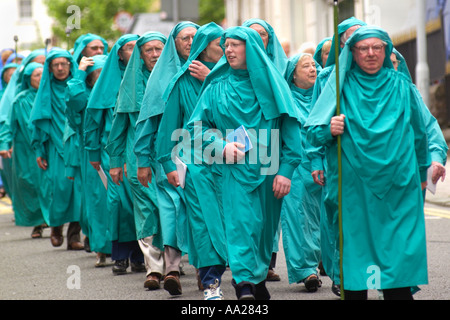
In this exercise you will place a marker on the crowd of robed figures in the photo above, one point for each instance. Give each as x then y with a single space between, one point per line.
100 128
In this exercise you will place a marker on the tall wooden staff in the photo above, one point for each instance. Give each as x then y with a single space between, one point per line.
16 39
339 153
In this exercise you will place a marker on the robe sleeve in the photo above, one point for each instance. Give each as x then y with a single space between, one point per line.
144 144
291 148
171 120
420 135
8 129
94 122
117 140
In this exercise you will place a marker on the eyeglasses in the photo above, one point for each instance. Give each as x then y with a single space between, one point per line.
231 45
60 64
185 38
396 62
365 49
95 48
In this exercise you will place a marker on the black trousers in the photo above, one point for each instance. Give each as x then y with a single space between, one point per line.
389 294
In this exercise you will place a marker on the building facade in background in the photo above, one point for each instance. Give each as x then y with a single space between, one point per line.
26 19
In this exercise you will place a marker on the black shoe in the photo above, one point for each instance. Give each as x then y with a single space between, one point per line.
120 267
312 283
244 290
336 289
137 267
87 246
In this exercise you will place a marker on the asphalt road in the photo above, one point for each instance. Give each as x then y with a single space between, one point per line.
31 269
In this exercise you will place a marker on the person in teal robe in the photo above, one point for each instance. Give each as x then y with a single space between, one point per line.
98 120
88 45
318 160
245 89
273 47
322 52
300 211
206 235
147 50
385 158
15 143
95 214
59 198
6 102
277 55
10 67
170 199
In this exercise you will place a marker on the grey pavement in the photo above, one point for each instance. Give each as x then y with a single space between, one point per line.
31 269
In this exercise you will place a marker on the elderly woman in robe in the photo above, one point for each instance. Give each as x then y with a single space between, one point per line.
246 90
300 212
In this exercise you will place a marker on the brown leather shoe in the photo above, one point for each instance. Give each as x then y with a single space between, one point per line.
56 237
172 283
272 276
76 245
153 281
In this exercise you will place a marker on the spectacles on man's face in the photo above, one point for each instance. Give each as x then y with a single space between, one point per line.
60 64
186 38
377 48
396 62
96 48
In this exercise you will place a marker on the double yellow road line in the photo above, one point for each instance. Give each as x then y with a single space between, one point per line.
437 213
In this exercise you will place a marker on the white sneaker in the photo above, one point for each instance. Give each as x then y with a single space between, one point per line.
213 292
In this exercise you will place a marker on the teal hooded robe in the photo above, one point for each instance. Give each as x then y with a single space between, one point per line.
206 235
98 120
95 213
121 140
300 211
16 133
8 97
60 200
81 43
384 160
259 99
170 199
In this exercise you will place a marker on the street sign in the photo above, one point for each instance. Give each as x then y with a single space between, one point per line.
123 20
